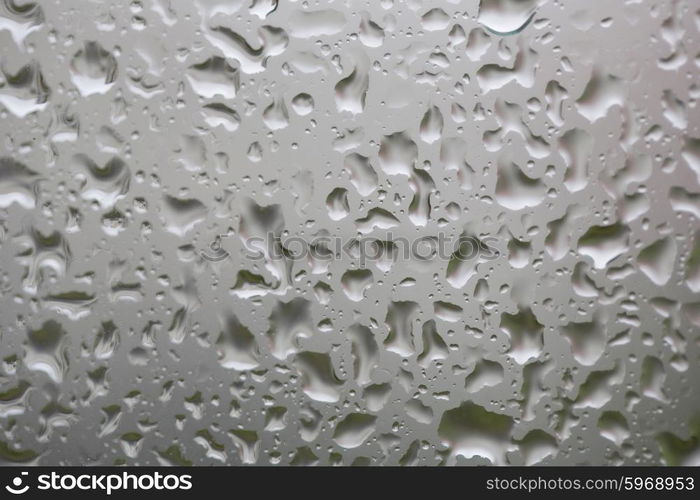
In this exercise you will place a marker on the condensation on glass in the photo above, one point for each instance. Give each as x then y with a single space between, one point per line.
227 232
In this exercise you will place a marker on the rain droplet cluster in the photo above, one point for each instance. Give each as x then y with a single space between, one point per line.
148 149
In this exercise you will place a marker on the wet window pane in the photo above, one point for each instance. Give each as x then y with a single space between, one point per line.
349 232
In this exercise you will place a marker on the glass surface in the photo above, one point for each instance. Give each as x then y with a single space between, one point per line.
349 232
